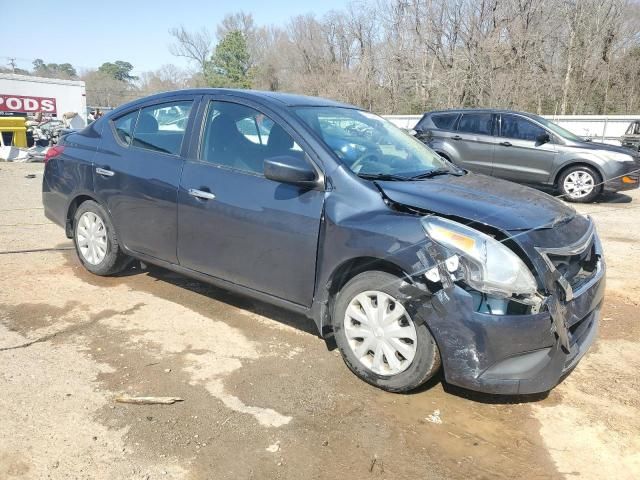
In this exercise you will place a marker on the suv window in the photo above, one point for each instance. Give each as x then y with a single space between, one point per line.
161 127
519 128
124 126
444 121
480 123
240 137
634 129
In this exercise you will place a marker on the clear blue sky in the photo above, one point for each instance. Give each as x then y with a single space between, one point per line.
87 33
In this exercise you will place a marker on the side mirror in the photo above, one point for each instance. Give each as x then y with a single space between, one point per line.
543 138
290 169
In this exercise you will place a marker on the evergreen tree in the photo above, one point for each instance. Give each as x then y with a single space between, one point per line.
230 65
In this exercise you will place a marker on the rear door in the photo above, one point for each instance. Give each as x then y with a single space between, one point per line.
137 173
235 224
473 141
519 155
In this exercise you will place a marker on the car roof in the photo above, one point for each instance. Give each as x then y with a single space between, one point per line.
278 98
482 110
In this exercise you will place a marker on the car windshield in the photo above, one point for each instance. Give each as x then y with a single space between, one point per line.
371 146
558 130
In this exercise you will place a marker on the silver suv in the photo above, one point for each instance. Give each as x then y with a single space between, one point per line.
527 148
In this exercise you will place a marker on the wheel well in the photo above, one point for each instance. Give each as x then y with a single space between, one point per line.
71 211
349 269
345 272
576 164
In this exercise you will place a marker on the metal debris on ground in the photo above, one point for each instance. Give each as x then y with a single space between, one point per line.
273 448
434 417
148 400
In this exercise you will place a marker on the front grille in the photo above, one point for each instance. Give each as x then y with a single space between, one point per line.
576 264
577 269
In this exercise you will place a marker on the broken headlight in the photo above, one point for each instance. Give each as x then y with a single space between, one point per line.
487 265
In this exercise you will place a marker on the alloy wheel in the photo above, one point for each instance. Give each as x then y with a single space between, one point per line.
91 237
579 184
380 333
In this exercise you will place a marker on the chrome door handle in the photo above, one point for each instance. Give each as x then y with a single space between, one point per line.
104 172
505 144
200 194
456 137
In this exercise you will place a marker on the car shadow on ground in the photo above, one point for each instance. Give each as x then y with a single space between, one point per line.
306 325
243 302
486 398
613 198
607 197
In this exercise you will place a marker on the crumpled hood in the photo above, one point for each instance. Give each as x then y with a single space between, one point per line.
491 201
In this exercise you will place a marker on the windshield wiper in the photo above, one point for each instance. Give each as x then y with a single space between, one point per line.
436 172
383 176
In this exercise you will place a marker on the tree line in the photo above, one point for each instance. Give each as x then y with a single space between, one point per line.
409 56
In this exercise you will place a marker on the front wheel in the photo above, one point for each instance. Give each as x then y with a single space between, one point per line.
377 337
580 184
96 242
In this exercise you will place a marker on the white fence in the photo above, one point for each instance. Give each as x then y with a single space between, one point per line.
600 128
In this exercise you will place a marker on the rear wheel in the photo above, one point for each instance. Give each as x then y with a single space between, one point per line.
96 241
580 184
377 337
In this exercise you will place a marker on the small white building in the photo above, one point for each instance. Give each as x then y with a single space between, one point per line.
22 94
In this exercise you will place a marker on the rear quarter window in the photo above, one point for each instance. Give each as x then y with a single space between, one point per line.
444 121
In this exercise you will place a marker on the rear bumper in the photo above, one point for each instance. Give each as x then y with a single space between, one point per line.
511 354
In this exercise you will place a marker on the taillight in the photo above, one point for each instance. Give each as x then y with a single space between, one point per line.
53 152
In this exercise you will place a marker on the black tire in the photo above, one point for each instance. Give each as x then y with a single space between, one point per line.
426 361
114 260
597 190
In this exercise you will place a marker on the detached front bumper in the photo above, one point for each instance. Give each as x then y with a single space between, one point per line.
512 354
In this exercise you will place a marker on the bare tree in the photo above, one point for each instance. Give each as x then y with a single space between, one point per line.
408 56
195 46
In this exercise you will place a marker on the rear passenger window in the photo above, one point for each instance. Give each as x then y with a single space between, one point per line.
444 121
480 123
520 129
124 127
161 127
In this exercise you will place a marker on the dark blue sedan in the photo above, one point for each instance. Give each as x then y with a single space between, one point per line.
409 262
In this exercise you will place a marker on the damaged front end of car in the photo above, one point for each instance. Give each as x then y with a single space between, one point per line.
512 312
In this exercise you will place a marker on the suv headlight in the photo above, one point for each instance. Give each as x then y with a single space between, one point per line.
617 156
487 265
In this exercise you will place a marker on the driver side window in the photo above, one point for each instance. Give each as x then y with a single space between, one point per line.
520 129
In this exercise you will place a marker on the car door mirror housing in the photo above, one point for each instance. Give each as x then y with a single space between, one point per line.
543 138
292 170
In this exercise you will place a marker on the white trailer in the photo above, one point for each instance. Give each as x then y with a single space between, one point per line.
51 97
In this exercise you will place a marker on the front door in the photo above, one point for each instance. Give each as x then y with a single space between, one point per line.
235 224
519 154
137 173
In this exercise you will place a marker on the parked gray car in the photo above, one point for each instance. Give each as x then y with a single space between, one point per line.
527 148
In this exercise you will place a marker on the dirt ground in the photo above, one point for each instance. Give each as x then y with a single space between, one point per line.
263 396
